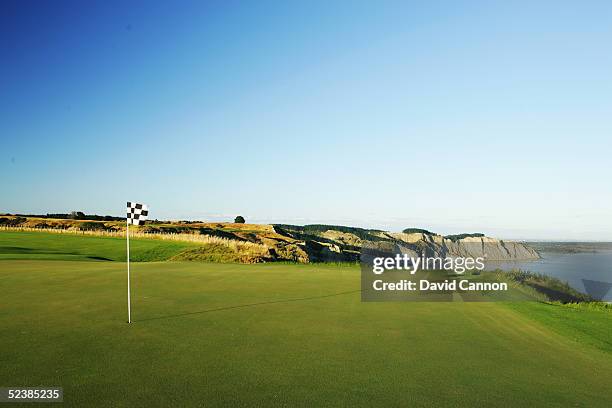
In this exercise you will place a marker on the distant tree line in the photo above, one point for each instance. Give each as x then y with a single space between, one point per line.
74 215
417 231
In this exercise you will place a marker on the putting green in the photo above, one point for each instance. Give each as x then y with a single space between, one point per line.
292 335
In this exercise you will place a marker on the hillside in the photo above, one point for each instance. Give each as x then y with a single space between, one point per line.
253 243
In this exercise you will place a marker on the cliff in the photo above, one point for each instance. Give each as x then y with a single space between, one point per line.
338 243
309 243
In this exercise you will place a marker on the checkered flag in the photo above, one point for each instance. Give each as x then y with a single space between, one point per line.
137 213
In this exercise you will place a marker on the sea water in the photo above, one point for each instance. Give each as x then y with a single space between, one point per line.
569 267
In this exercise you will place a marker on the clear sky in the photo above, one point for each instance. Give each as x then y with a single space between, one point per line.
454 116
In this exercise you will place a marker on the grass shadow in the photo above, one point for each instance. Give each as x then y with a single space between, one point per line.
220 309
99 258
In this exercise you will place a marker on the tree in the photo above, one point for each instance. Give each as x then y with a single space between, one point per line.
239 220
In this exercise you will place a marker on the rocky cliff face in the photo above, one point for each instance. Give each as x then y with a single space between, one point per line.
489 248
334 243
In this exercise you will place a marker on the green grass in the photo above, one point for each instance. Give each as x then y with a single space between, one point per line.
52 246
284 335
236 335
589 324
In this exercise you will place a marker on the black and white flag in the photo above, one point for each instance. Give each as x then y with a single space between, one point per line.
137 213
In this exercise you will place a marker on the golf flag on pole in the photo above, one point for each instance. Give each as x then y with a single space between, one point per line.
136 215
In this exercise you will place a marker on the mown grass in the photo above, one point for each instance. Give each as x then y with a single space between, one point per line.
585 323
283 335
41 245
209 334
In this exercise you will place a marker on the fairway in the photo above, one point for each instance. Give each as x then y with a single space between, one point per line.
75 247
284 335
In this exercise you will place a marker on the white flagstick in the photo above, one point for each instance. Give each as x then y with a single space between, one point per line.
136 214
128 267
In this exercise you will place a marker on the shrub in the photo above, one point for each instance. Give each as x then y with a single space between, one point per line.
12 222
417 231
91 225
457 237
149 229
77 215
239 220
218 233
173 230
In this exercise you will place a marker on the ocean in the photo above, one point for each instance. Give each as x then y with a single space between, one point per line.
588 272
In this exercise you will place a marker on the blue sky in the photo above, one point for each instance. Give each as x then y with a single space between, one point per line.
452 116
